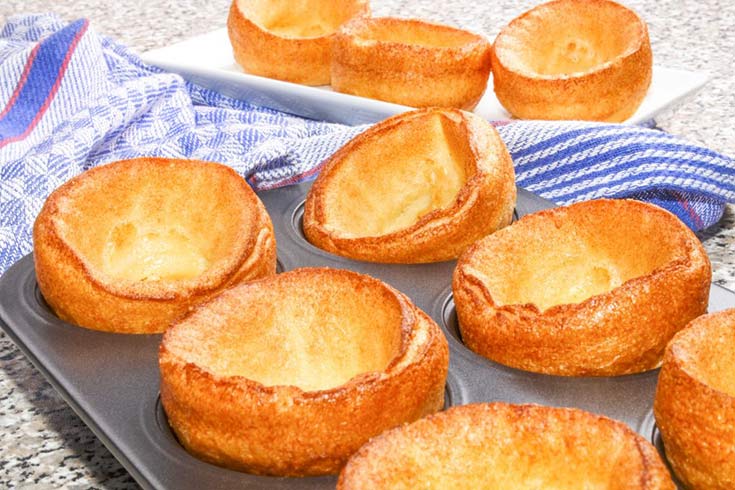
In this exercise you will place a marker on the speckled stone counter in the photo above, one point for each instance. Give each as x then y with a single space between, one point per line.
43 444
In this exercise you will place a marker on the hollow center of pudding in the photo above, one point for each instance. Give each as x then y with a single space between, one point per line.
514 454
152 255
155 223
568 37
312 332
571 277
415 33
575 256
303 18
710 356
387 184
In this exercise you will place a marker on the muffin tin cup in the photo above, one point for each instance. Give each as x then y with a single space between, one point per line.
112 380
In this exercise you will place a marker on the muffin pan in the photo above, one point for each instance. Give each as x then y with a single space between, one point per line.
111 380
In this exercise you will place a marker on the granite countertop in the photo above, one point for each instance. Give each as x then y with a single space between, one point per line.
43 444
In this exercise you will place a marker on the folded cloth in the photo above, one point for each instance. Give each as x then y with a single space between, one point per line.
71 99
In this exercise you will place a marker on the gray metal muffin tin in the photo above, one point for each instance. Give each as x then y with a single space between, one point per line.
112 380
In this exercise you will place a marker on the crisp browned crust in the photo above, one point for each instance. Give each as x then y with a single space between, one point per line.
499 445
695 402
610 90
653 277
278 428
78 219
384 158
410 62
293 58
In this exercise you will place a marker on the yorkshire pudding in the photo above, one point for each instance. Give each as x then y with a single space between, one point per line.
291 374
288 40
573 59
498 445
410 62
695 402
418 187
130 246
596 288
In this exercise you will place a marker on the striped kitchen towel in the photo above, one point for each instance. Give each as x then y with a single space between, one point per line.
71 99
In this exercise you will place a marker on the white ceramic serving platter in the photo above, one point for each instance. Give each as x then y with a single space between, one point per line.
207 61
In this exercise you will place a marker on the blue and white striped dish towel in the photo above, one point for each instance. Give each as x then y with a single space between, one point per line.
71 99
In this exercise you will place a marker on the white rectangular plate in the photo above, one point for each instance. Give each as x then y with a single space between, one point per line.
207 61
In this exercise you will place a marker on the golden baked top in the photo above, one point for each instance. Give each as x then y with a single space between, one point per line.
498 445
573 59
302 18
135 223
311 328
694 405
410 32
417 187
131 245
410 62
706 351
571 254
569 37
290 374
596 288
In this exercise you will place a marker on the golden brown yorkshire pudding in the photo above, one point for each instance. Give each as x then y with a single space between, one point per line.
596 289
695 402
130 246
286 39
410 62
573 59
417 187
498 445
291 374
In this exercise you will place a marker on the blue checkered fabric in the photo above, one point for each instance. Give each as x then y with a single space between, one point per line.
71 99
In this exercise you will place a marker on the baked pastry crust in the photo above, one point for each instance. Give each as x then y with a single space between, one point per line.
288 40
417 187
695 402
410 62
130 246
573 59
499 445
596 289
289 375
